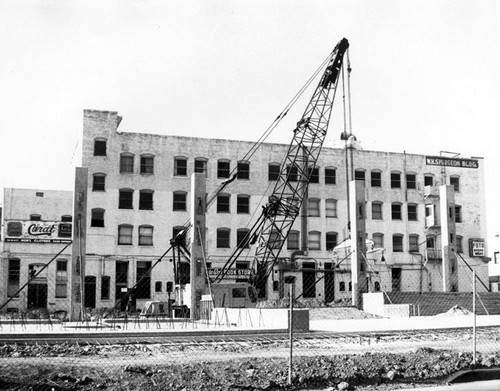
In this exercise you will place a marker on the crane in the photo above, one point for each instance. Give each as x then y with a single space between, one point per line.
271 230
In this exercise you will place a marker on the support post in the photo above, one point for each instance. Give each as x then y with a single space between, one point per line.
197 270
448 238
291 291
358 241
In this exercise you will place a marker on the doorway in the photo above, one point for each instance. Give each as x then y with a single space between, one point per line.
90 291
396 279
329 283
37 296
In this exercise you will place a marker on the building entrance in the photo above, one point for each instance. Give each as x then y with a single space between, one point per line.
329 283
37 296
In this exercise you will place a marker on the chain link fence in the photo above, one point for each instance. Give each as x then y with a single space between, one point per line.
148 339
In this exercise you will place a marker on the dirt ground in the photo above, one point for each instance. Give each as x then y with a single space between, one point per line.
349 363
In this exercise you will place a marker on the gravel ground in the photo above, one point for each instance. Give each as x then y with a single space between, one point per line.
380 363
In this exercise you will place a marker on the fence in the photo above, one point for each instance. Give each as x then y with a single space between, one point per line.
145 338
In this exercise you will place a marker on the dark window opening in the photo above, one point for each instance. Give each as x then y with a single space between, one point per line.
99 147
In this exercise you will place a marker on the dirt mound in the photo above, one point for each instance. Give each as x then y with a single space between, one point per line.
455 311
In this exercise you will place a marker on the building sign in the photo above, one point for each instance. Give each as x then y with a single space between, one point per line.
38 232
476 248
451 162
230 272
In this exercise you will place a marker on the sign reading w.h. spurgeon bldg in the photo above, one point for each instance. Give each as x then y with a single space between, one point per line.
451 162
38 232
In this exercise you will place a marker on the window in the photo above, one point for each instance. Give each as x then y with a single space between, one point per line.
145 235
99 147
13 277
97 217
274 240
179 201
455 182
39 194
147 164
460 244
376 210
35 217
395 180
143 288
428 180
273 171
378 240
66 218
359 175
458 214
223 235
331 207
342 286
411 181
61 279
313 175
99 182
292 173
223 169
242 238
125 200
158 286
200 165
243 170
331 240
126 163
413 243
377 286
14 228
396 211
125 234
430 242
412 212
376 179
293 240
397 243
146 199
180 166
223 203
105 287
314 240
313 207
243 204
330 176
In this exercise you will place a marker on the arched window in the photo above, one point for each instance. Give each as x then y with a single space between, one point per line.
293 240
201 165
126 163
396 211
147 164
125 234
179 201
330 175
97 217
180 166
145 235
331 207
99 182
243 238
146 199
376 178
313 207
273 171
331 240
223 238
395 180
455 182
125 200
314 240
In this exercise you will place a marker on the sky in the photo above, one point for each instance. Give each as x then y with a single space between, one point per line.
424 75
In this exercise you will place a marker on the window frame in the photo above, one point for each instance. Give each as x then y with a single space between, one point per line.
204 165
293 237
313 174
331 208
273 171
411 184
144 203
122 236
375 211
458 213
242 204
223 172
224 203
456 186
395 212
180 169
413 214
125 202
397 247
223 237
145 234
95 221
374 180
313 207
330 175
96 183
147 164
376 241
127 163
242 238
96 148
243 170
360 174
413 244
314 238
179 205
331 240
395 182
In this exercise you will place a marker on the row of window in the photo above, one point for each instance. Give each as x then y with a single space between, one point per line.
64 218
292 172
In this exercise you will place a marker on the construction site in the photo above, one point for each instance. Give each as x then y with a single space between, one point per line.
175 250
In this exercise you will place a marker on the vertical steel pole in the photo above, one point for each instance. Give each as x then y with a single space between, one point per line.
474 316
290 326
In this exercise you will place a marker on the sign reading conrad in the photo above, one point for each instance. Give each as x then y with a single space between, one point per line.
451 162
38 232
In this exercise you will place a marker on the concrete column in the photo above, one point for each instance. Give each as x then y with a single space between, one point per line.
197 271
358 241
448 237
77 270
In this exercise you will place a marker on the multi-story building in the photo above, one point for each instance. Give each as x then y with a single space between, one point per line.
138 192
36 238
425 220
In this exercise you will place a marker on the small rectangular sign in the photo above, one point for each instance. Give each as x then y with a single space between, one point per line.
451 162
38 232
476 248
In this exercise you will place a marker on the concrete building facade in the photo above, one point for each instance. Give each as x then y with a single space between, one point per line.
138 198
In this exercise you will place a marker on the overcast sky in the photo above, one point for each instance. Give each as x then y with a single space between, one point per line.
425 75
